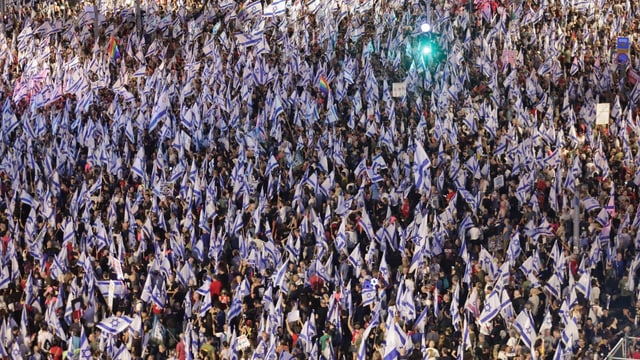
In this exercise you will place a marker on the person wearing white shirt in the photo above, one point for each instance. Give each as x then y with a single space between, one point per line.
432 352
595 292
595 312
44 336
225 353
503 353
534 300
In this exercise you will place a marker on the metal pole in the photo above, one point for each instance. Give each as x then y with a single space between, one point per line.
576 222
96 20
138 19
4 11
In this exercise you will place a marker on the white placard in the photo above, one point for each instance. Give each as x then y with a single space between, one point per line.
498 182
293 316
602 114
399 90
243 342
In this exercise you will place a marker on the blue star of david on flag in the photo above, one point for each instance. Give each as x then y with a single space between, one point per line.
115 324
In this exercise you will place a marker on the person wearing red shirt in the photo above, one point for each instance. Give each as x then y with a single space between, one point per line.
573 265
215 288
181 352
56 352
635 353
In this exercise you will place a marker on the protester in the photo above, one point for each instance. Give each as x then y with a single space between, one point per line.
305 180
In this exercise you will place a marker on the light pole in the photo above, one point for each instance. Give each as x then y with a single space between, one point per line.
96 20
576 223
428 47
3 9
138 18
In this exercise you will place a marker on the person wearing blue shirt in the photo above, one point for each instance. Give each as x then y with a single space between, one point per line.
619 265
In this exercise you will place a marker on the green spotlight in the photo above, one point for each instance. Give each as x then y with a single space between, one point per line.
427 50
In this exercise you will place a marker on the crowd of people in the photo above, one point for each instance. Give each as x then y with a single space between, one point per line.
300 180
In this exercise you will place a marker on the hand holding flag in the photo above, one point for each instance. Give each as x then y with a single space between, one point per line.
112 50
323 85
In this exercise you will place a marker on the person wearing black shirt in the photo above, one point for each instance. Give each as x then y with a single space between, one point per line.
255 312
483 349
220 318
446 354
580 349
161 353
589 330
321 311
518 301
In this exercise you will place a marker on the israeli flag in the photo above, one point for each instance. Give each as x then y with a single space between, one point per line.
114 325
276 8
246 41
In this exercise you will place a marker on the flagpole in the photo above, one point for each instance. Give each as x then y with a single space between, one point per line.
576 222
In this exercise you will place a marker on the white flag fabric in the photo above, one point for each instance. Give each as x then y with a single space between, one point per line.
526 327
114 324
570 334
422 175
491 308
